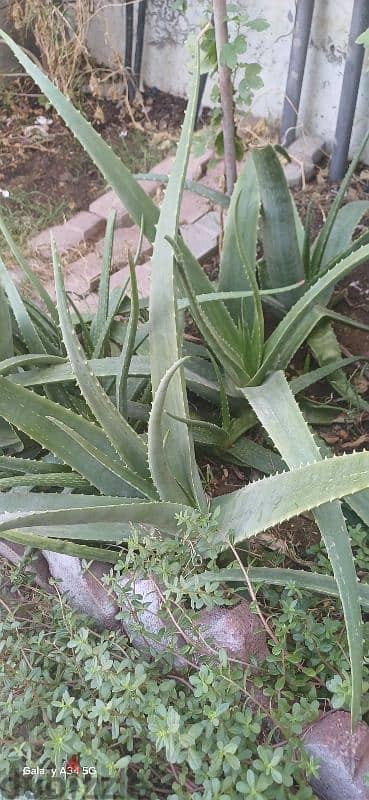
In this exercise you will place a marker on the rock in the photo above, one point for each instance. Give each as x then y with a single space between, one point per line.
14 553
306 152
237 629
343 757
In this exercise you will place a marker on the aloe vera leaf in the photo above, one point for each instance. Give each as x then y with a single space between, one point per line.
38 425
86 552
245 203
30 274
281 417
303 316
325 348
165 336
101 315
128 345
125 441
279 235
6 333
165 481
136 482
321 242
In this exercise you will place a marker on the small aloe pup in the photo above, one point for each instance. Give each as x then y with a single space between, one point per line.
144 482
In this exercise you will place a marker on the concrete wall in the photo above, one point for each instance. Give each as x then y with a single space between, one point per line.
166 56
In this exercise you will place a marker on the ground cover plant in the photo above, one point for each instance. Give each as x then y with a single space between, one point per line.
126 481
138 727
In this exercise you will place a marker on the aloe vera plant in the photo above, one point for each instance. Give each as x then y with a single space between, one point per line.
122 478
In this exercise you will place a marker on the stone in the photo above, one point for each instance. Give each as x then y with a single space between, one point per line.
84 588
83 227
306 152
193 207
343 757
202 236
237 629
125 239
143 276
14 553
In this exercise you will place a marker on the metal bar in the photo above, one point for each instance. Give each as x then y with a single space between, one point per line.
141 17
296 69
129 47
349 92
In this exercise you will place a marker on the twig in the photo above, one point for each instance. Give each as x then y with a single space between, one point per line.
252 593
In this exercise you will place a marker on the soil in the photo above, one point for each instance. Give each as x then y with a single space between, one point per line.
48 175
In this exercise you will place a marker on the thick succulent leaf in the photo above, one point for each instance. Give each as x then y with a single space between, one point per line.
31 539
68 480
159 516
279 235
281 417
350 322
124 439
245 204
26 327
115 305
343 230
6 332
14 504
28 360
9 440
247 453
231 356
136 482
215 197
34 414
219 317
270 501
326 349
28 272
128 344
185 302
303 382
15 466
303 316
165 481
322 239
313 581
165 334
137 203
101 315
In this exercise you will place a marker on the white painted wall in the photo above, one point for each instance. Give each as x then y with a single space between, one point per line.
166 56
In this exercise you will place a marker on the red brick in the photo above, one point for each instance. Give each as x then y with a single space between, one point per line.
106 202
143 274
83 227
125 239
193 207
202 236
